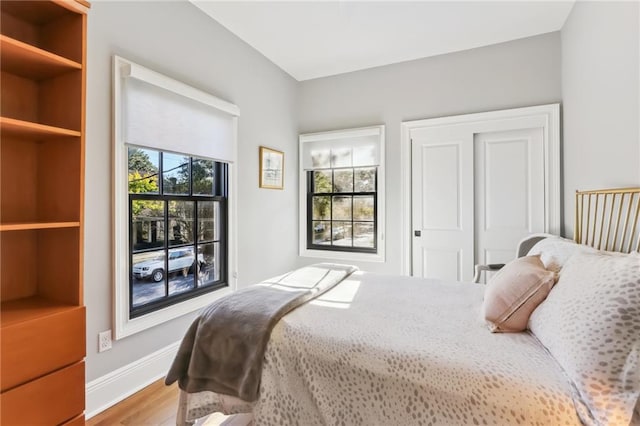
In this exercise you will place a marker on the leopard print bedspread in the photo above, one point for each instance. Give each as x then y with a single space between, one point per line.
390 350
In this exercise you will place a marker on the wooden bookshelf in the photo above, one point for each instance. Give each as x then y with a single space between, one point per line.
42 116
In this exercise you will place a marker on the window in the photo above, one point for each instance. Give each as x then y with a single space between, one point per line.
175 233
342 176
177 222
341 209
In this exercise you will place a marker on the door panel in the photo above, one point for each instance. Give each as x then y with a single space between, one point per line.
441 186
504 174
509 188
442 209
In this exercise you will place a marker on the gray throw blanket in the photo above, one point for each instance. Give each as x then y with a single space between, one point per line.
223 350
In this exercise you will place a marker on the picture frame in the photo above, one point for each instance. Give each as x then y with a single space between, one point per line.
271 168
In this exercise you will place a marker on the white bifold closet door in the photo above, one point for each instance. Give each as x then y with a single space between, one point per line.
474 196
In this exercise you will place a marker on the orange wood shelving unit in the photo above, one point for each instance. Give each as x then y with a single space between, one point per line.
42 117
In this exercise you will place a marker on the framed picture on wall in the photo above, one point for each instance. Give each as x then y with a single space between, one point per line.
271 168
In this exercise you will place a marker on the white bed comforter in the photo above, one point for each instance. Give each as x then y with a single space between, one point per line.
389 350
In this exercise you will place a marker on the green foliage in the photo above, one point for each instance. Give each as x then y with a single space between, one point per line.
148 209
139 162
143 179
142 185
202 174
322 183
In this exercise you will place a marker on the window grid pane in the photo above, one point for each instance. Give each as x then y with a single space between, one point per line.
144 165
321 208
147 224
363 234
148 274
341 234
365 179
208 220
181 270
322 232
322 181
341 207
343 180
203 173
181 224
363 206
208 264
175 174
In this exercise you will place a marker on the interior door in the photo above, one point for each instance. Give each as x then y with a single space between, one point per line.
509 191
442 203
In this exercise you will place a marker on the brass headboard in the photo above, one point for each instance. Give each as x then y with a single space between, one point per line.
608 219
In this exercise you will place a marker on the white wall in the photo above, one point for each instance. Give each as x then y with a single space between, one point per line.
601 95
177 39
508 75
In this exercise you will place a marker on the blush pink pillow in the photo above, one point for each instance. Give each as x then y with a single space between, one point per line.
514 292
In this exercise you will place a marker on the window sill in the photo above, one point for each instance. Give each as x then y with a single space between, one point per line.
126 326
343 255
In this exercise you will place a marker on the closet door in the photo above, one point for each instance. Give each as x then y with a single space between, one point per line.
479 184
442 203
509 191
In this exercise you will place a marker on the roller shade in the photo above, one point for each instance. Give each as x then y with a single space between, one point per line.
165 114
360 150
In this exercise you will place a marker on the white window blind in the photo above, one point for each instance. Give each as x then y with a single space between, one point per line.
361 149
168 115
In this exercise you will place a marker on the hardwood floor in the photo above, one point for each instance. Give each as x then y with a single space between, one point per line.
154 405
157 405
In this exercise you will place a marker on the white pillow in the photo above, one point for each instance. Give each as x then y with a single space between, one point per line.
555 251
590 323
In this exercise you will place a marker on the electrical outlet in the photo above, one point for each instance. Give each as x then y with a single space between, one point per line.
104 341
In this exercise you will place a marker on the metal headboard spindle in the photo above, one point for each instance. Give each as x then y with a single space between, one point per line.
612 219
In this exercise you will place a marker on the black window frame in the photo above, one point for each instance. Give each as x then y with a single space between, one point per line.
220 195
311 193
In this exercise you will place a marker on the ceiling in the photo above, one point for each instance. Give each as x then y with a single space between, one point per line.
317 39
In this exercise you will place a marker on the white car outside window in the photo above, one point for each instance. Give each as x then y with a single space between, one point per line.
179 260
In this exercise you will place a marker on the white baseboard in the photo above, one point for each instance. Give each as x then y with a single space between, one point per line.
119 384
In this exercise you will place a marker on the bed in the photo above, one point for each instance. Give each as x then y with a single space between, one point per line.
380 350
